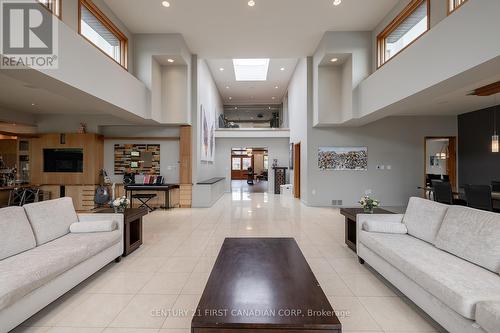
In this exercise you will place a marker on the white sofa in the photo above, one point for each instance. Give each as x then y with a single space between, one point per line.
40 260
446 259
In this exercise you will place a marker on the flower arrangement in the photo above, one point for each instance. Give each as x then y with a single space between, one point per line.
368 203
119 204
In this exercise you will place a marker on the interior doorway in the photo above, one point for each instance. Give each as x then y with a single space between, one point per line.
440 160
249 169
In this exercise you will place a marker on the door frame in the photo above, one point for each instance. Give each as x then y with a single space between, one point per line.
296 170
451 168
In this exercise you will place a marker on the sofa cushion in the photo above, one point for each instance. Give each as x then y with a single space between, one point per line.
25 272
473 235
423 218
15 225
457 283
385 227
51 219
488 316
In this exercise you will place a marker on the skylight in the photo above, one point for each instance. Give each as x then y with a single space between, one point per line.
251 69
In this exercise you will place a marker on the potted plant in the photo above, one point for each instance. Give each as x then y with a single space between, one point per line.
120 204
369 204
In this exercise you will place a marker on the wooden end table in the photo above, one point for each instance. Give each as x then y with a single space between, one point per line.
350 223
132 231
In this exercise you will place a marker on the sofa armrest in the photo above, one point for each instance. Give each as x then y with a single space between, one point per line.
388 218
118 218
488 316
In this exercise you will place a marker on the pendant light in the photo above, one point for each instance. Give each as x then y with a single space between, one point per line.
494 139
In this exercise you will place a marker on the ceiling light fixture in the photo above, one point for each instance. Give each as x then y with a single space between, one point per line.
230 98
251 3
282 69
221 69
170 60
274 97
337 2
251 69
334 59
227 87
165 4
276 87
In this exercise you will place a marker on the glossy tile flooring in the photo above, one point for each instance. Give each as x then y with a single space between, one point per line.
157 287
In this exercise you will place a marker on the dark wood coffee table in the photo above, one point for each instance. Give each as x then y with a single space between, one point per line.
132 235
350 223
263 285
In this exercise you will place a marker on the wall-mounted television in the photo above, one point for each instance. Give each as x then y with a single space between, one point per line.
63 160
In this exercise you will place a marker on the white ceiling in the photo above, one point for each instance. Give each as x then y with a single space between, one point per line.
231 29
252 92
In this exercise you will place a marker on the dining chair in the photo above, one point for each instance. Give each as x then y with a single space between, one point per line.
16 197
31 195
442 192
495 186
479 197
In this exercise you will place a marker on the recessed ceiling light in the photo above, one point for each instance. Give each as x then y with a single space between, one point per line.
170 60
269 108
274 97
277 87
33 104
227 87
230 98
251 3
221 69
337 2
282 68
334 59
165 4
236 108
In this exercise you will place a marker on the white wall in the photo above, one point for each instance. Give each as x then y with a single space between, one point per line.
299 100
394 141
175 94
277 149
439 11
438 60
70 18
207 95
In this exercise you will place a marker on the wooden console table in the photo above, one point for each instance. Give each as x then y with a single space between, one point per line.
132 231
350 223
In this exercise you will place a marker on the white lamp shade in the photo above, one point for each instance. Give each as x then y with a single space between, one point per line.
494 144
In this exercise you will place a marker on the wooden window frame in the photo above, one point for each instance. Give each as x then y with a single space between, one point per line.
412 6
91 7
455 6
59 15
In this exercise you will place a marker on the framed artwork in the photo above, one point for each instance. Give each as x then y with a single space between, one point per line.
343 158
207 135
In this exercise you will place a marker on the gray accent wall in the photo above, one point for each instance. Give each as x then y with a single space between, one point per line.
476 163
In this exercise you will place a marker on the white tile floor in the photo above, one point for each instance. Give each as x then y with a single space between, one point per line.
150 290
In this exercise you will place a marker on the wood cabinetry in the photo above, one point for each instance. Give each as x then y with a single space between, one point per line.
93 158
83 196
185 195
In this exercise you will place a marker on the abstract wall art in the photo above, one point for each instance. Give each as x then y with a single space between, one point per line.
343 158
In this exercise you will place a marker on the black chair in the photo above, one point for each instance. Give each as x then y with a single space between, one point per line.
495 186
442 192
479 197
31 195
144 199
16 197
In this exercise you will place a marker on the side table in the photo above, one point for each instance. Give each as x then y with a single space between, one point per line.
132 231
350 223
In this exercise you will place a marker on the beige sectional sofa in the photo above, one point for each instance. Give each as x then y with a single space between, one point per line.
40 259
446 259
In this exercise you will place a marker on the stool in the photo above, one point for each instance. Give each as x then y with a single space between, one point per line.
144 199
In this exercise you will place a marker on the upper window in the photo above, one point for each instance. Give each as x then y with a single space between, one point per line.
408 26
54 6
454 4
101 32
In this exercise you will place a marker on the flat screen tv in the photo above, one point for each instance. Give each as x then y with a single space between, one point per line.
63 160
